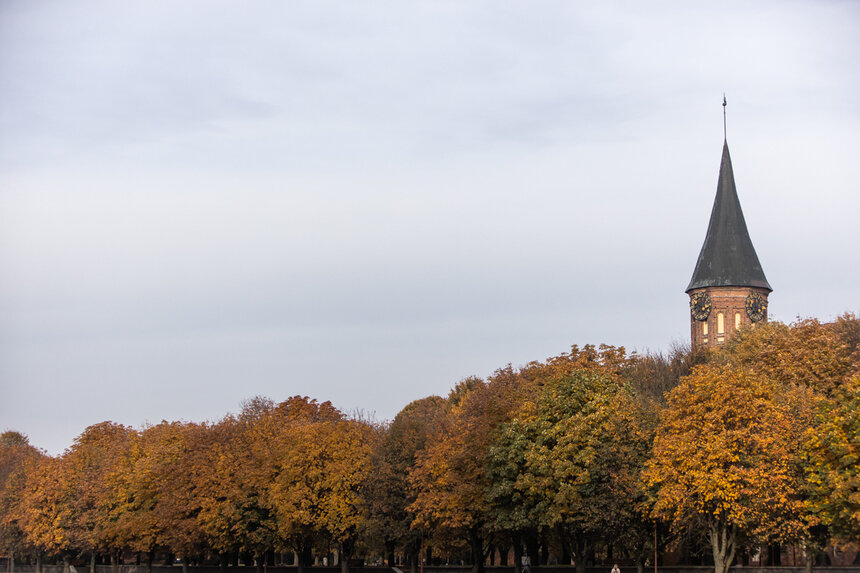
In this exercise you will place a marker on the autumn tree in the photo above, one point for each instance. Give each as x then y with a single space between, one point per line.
722 462
609 360
652 376
388 494
45 510
319 461
808 352
69 503
164 488
570 462
833 461
811 362
87 466
234 470
61 507
16 456
847 329
450 481
285 476
346 447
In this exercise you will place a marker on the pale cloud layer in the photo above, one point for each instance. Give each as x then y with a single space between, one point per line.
366 202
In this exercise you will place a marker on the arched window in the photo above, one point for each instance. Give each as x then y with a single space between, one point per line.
737 321
721 324
705 328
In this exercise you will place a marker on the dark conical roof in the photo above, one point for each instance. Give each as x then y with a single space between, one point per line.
727 257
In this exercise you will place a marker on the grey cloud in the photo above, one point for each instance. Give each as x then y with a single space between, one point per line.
208 202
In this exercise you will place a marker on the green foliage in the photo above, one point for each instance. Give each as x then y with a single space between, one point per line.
572 459
833 461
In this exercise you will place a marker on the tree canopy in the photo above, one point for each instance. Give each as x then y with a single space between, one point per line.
592 452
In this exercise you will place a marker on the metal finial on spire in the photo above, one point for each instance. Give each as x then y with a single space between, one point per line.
724 116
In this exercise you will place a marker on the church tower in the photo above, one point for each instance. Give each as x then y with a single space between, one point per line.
728 290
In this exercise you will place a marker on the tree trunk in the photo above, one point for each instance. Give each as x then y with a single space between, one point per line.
723 547
304 556
533 548
413 561
92 562
565 546
809 554
346 550
518 553
38 563
300 561
389 552
580 550
413 547
477 544
184 564
776 552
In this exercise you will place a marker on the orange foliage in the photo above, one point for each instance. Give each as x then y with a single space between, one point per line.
820 356
17 457
723 459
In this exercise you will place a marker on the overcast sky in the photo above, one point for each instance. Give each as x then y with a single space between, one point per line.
365 202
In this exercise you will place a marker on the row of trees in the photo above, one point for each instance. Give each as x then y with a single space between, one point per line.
593 449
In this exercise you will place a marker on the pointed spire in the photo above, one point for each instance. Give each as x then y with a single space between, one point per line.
727 257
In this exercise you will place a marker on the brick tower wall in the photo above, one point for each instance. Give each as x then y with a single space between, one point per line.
731 303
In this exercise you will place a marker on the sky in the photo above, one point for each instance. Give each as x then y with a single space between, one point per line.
365 202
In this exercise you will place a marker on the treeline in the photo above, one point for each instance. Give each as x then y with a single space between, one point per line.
594 451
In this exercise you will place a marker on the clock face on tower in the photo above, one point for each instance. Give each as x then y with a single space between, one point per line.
700 306
756 306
